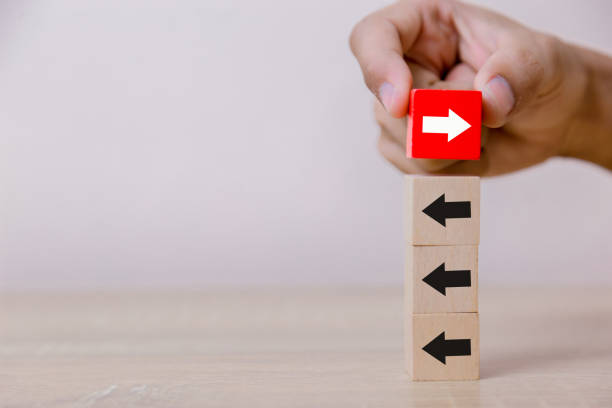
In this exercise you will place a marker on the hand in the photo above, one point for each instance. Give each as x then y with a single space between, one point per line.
533 85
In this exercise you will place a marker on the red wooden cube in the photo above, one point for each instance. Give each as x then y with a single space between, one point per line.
444 124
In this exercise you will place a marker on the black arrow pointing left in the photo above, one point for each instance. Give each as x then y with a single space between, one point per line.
440 348
440 279
440 210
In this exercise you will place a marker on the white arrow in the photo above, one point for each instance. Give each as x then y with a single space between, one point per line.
453 125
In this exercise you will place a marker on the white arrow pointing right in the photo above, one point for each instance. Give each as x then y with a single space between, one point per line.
453 125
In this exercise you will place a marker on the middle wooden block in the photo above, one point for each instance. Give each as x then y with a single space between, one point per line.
441 279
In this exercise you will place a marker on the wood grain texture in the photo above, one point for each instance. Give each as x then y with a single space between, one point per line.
424 328
423 298
421 229
300 347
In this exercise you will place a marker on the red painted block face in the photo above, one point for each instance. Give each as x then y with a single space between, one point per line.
444 124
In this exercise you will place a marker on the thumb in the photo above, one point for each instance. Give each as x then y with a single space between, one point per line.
508 80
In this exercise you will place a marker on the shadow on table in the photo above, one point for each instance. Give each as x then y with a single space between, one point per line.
556 343
525 361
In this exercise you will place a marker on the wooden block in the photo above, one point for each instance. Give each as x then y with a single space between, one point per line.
441 279
442 346
444 124
442 210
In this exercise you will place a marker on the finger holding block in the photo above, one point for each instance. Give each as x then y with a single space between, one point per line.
442 210
441 279
443 346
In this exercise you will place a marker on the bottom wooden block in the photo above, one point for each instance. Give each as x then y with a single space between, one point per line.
442 346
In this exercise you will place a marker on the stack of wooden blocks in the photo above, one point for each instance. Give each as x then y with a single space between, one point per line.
442 224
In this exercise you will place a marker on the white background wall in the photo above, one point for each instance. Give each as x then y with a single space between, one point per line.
150 143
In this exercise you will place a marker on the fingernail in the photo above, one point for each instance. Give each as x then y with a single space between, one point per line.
385 94
499 92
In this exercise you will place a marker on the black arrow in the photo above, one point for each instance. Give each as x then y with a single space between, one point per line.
440 279
440 210
440 348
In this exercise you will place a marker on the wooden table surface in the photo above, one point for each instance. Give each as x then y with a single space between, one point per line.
280 347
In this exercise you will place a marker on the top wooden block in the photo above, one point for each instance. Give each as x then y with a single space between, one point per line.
442 210
444 124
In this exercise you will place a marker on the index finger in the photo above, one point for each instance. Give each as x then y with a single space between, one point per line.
378 42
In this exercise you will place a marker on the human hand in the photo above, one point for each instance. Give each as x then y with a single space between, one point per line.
533 85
